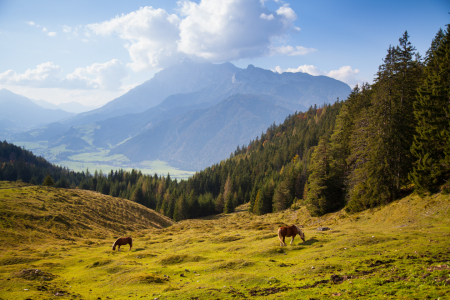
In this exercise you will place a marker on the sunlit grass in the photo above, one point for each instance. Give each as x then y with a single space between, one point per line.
400 251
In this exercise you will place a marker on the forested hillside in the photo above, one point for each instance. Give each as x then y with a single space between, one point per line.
384 140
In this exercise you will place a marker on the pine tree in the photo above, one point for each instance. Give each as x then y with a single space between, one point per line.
381 158
219 204
229 204
138 195
181 209
318 198
48 181
431 110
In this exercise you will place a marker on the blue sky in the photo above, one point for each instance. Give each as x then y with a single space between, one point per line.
94 51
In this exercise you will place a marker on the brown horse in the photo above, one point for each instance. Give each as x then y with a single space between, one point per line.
289 231
121 242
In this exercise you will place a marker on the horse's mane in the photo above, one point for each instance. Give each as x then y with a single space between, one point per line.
299 231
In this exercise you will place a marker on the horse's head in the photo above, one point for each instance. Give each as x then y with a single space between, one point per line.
300 233
114 246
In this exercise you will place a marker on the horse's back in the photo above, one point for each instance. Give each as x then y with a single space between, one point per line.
124 241
287 230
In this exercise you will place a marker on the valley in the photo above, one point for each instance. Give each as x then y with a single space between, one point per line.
57 242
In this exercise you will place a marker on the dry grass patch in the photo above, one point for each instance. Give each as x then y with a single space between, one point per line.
34 274
180 258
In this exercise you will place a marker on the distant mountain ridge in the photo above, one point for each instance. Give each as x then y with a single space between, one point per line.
193 114
295 91
202 137
19 113
71 107
184 78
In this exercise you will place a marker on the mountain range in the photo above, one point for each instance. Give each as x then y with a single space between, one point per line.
191 115
19 113
71 107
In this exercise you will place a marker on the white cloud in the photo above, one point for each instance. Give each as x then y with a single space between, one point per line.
151 33
67 29
291 51
31 23
287 12
215 30
52 34
106 76
227 30
266 17
44 75
345 74
44 29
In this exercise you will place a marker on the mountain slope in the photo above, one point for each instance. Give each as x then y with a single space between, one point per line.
184 78
19 113
199 138
295 91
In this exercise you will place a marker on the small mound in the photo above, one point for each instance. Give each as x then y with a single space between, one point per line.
152 278
179 258
266 236
100 263
236 264
271 251
16 260
34 274
226 239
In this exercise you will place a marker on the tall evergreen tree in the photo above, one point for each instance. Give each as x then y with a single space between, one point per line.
380 168
431 110
317 197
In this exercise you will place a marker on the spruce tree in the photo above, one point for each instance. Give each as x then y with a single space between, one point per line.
229 204
381 162
431 110
48 181
318 198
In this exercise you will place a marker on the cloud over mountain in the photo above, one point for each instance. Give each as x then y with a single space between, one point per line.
345 74
213 30
105 76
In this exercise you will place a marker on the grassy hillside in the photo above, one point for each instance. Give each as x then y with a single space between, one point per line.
35 214
399 251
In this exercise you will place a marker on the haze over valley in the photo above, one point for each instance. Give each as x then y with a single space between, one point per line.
190 115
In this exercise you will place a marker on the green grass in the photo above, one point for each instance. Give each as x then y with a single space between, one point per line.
400 251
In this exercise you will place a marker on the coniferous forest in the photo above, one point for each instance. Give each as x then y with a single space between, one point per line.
387 139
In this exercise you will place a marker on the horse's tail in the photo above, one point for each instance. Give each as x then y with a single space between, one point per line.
131 243
280 237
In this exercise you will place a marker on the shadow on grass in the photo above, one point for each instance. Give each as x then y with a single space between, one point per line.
309 242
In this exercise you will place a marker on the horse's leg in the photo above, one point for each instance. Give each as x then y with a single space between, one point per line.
292 240
130 247
118 249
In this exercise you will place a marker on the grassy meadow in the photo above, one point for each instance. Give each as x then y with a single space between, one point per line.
56 243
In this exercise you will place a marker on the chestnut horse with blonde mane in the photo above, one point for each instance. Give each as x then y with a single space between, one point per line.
121 242
289 231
